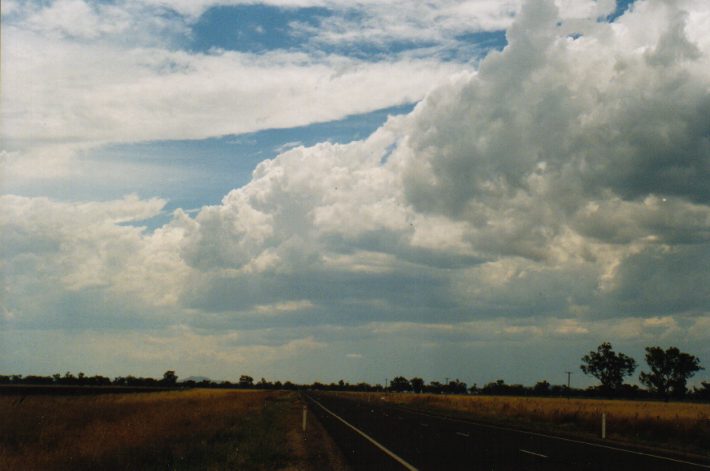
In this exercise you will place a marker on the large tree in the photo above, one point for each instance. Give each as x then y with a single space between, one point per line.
417 384
608 367
670 370
400 384
169 378
246 381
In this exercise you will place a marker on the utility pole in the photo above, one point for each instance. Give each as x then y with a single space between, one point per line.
569 374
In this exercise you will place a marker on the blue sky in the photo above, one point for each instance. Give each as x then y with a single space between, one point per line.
322 190
193 173
252 28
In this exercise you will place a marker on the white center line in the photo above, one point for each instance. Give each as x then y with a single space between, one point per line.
533 453
367 437
463 434
562 439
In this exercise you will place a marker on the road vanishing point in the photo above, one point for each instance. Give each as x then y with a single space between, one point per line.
378 436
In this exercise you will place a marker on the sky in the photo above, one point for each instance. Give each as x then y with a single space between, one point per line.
312 190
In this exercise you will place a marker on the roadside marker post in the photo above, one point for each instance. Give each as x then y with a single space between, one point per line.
603 425
305 414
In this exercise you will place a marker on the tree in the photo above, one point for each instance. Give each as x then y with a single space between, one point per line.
400 384
169 378
456 387
703 393
246 381
670 370
417 385
608 367
263 384
542 388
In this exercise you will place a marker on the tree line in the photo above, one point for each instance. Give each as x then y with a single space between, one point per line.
667 377
168 380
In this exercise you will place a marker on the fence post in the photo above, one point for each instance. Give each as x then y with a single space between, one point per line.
603 425
305 412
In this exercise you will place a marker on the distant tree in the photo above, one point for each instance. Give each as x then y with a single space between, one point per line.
264 384
499 388
542 388
98 380
434 387
33 379
417 385
363 386
169 378
608 367
670 370
456 387
246 381
400 384
702 393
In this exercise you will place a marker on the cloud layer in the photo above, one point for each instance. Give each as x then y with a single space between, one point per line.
558 194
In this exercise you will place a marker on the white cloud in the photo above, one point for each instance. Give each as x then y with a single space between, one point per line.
401 20
288 306
517 171
87 246
78 18
558 193
536 186
101 93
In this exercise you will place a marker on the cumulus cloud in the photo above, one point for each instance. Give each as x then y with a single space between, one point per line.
49 247
558 192
554 163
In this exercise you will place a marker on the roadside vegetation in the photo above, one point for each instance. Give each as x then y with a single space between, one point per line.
195 429
82 422
683 426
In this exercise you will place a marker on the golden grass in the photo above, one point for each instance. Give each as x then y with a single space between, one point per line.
197 429
684 426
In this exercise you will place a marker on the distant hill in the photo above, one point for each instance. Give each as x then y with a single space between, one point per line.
197 379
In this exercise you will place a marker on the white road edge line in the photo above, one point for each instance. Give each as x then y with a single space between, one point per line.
367 437
463 434
553 437
533 453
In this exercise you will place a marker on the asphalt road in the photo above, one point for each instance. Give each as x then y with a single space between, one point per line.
377 436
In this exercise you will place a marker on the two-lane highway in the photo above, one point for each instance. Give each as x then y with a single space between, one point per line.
377 435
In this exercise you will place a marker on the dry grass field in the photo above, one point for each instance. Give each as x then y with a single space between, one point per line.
196 429
677 425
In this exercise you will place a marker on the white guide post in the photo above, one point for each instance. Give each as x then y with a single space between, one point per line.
603 425
305 413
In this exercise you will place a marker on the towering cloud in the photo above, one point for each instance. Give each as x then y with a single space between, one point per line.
560 190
